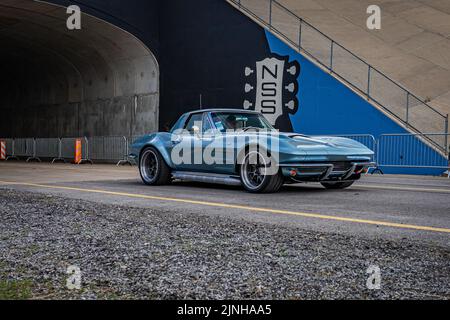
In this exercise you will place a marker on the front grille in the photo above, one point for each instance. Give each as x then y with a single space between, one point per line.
342 165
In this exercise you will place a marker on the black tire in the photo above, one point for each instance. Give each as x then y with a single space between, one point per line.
153 169
338 185
259 183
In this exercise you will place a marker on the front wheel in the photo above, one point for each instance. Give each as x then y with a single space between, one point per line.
257 174
338 185
153 169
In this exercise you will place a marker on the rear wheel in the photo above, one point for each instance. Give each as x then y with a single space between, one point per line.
153 169
258 176
338 185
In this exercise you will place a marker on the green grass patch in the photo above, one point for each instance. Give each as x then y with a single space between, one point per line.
15 290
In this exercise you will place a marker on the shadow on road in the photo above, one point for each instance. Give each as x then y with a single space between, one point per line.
134 185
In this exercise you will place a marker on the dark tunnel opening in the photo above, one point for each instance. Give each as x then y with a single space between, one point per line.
97 81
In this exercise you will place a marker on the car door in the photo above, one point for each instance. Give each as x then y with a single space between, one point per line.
206 145
188 146
212 147
217 146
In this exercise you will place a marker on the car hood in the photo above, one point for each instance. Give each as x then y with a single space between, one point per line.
336 148
327 143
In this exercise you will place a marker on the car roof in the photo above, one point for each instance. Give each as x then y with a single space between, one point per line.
221 110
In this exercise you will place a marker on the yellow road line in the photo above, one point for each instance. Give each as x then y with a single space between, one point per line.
240 207
404 188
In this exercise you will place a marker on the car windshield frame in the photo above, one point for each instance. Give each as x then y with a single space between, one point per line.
266 124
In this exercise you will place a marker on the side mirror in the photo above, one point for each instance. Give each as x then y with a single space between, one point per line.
176 138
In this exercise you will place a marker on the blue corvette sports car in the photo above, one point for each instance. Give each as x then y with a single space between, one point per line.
241 148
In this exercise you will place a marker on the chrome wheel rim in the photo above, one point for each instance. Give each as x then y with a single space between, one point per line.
253 171
149 166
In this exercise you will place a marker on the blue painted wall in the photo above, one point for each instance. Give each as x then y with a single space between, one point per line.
326 106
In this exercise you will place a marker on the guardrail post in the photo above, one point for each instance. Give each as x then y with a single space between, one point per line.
300 22
13 153
331 55
60 157
446 133
377 154
375 150
125 160
87 160
270 14
33 157
407 108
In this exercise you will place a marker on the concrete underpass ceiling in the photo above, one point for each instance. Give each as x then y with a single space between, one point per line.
44 63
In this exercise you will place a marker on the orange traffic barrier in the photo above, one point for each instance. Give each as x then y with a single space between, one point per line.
78 151
2 150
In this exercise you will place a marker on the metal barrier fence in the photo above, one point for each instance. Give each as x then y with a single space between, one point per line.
109 149
47 148
367 80
411 151
391 150
67 150
24 147
101 149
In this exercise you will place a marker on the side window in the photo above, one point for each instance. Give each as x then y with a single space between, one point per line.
206 124
178 124
194 120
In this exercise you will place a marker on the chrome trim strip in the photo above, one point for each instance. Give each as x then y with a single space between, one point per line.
330 167
207 178
320 165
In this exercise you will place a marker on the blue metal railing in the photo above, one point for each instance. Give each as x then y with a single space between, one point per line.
410 151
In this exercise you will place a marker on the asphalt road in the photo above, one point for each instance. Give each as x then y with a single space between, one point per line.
377 207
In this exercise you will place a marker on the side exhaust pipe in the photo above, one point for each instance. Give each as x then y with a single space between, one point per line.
206 178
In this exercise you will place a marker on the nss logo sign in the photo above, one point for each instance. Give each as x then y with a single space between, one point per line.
272 88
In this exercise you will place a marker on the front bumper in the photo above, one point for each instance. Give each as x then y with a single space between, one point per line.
326 171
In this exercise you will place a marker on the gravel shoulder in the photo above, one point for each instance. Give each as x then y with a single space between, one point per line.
143 253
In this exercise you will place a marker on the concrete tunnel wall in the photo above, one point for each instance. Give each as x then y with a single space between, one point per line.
99 80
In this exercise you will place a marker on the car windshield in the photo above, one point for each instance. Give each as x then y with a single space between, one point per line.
239 121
